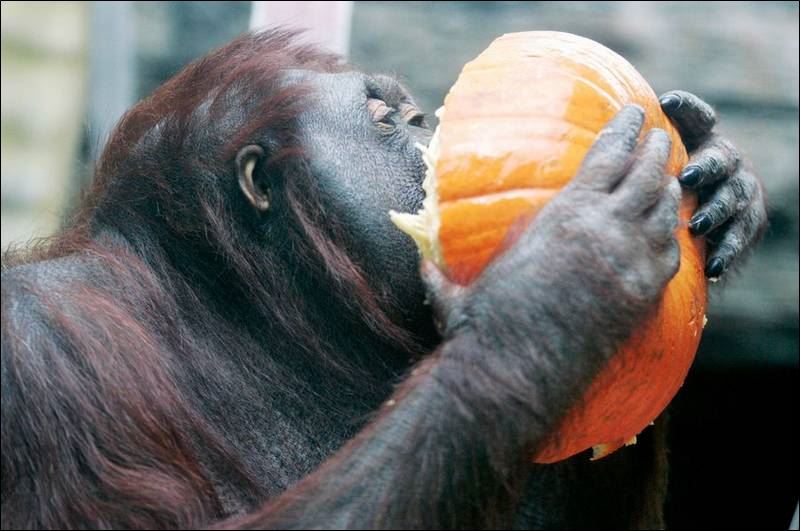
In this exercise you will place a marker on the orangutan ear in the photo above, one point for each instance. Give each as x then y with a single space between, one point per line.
247 160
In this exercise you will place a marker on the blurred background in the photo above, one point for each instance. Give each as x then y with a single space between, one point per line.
69 69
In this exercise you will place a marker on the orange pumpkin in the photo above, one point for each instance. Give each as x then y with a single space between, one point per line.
513 131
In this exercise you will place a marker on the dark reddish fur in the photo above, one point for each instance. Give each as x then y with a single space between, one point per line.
92 365
120 332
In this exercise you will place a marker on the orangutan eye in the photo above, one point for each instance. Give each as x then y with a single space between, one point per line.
411 115
382 115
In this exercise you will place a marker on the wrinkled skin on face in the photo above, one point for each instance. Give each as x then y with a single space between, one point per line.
359 135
